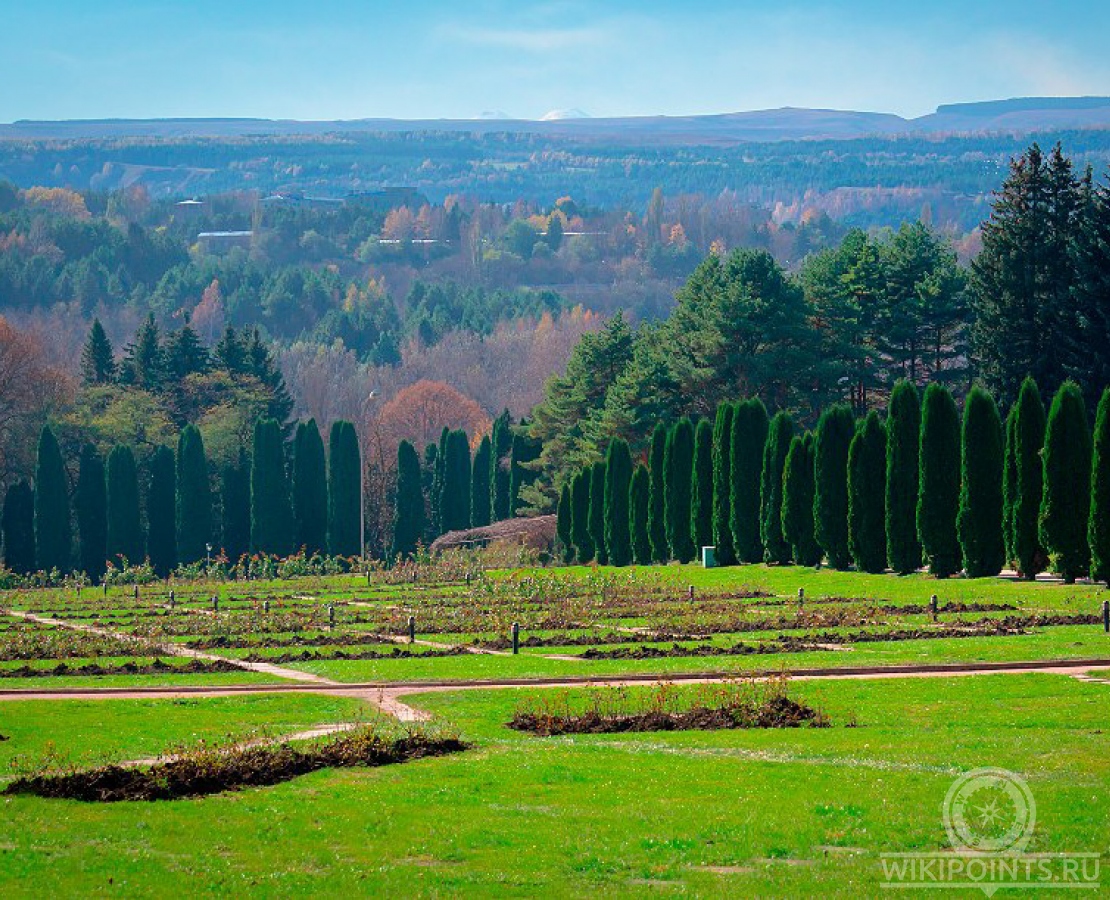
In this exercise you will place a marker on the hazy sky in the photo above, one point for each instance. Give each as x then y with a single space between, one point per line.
444 58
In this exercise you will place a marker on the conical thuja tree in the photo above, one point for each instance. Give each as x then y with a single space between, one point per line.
562 526
639 501
1065 505
18 528
776 549
749 435
408 516
91 502
344 491
679 471
618 481
125 533
271 510
480 489
867 495
657 507
1028 492
701 488
53 537
235 507
835 431
194 498
501 444
722 485
980 518
939 498
1009 483
902 472
797 502
161 497
310 489
1098 528
580 516
454 503
597 513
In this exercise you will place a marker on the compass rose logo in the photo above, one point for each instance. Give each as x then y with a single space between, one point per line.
990 811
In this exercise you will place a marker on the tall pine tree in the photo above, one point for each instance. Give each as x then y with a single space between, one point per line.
979 522
501 445
454 503
580 516
1098 527
53 537
235 503
597 512
1065 504
98 362
1009 484
939 497
480 488
562 526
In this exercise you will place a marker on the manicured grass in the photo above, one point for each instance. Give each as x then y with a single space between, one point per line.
779 813
214 679
89 731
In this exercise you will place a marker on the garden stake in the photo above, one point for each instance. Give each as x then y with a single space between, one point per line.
412 629
265 606
691 592
801 596
933 607
105 588
136 592
331 616
215 603
516 638
1106 615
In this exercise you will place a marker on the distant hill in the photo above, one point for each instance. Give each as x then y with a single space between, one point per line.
1015 116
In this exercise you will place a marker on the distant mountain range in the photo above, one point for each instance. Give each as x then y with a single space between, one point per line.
1016 116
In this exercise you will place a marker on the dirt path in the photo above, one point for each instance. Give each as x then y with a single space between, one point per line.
171 649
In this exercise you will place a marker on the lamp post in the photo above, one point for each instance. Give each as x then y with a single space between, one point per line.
207 557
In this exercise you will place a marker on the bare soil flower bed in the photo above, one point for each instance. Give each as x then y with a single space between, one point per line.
318 655
157 667
211 771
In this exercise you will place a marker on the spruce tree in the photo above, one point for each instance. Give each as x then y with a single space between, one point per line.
639 501
565 546
454 503
797 502
835 431
867 495
939 498
19 528
185 355
597 513
194 498
501 444
679 472
701 497
480 489
1009 484
91 503
1065 504
902 472
144 360
580 516
1098 527
776 549
344 491
161 498
657 508
722 485
235 502
1029 436
979 522
408 517
53 537
618 482
749 435
98 362
271 511
125 533
310 490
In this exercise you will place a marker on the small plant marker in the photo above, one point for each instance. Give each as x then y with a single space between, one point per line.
1106 616
265 606
933 607
215 603
105 588
136 592
691 592
412 629
516 638
801 596
331 615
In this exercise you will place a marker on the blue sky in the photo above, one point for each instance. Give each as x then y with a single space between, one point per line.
435 58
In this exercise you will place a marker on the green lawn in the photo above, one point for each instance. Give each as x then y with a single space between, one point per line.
775 813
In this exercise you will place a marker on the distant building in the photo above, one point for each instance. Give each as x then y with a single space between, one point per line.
222 241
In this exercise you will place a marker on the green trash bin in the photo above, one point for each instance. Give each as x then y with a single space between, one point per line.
709 557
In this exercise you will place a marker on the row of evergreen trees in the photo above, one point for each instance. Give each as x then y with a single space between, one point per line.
922 486
262 507
449 490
